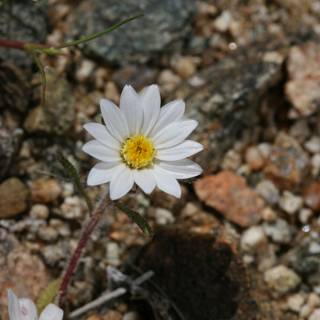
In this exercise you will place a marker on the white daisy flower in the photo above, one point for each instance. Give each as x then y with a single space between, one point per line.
142 143
25 309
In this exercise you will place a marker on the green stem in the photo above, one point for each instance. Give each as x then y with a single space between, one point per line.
98 34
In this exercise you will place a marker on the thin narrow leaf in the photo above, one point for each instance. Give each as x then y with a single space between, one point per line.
137 218
98 34
48 294
74 175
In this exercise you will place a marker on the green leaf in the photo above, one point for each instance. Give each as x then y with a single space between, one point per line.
98 34
74 175
48 294
137 218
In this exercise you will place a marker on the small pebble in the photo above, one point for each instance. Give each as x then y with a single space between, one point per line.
311 195
113 253
131 316
39 211
279 231
168 80
253 238
305 214
315 315
313 145
184 66
269 215
71 208
265 149
290 203
314 248
300 130
281 279
85 70
223 21
45 190
231 161
315 164
163 216
254 158
295 302
111 91
267 190
48 233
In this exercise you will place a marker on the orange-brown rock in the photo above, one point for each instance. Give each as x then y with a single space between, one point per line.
231 196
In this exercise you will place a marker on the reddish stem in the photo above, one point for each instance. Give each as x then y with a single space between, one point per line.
74 261
21 45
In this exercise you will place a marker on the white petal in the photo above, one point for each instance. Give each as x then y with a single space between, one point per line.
174 133
169 113
101 173
145 180
114 120
166 182
101 152
121 182
180 151
130 106
28 310
13 306
101 133
182 169
51 312
150 101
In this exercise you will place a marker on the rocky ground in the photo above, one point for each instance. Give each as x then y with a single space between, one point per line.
243 241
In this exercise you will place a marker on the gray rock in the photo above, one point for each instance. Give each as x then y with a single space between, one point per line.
164 23
23 20
227 102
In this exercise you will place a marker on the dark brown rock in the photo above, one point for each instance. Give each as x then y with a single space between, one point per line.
196 276
13 198
230 195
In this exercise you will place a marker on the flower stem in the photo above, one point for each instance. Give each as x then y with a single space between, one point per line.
85 237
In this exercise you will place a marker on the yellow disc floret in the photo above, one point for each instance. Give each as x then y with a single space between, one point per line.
138 152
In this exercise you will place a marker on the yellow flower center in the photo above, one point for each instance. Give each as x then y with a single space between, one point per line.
138 152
